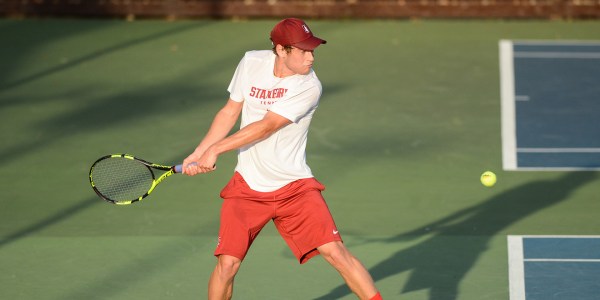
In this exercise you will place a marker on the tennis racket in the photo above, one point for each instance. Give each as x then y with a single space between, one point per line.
124 179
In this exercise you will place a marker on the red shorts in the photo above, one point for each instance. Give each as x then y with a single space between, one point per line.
298 210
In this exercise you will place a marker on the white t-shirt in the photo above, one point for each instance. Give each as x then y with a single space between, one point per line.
280 159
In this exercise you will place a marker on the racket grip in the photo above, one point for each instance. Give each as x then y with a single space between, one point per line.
179 168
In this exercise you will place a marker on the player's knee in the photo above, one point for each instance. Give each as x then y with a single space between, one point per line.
228 266
335 253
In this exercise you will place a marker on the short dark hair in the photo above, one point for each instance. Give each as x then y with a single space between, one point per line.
287 49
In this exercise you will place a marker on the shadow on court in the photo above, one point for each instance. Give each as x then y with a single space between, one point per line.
133 104
50 220
439 263
65 31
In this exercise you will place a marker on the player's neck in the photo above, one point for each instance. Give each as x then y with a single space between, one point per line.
281 70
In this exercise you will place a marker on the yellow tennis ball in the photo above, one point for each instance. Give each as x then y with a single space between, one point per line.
488 178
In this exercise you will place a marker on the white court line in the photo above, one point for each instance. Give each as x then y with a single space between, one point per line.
558 150
559 236
516 268
560 260
551 169
565 43
508 115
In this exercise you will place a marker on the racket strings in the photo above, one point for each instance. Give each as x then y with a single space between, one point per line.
121 179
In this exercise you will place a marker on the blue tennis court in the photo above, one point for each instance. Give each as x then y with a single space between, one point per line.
550 107
554 267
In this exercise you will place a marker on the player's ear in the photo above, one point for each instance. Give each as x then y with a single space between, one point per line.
280 50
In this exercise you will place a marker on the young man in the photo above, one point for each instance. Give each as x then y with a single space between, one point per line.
276 92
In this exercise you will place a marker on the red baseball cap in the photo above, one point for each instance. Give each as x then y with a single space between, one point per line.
294 32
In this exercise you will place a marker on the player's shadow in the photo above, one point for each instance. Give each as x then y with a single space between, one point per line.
439 263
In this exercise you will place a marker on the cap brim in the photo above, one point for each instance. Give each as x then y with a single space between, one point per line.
310 43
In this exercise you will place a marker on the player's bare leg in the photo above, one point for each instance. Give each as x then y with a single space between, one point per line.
220 285
352 270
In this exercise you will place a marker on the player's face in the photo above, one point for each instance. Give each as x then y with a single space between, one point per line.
299 61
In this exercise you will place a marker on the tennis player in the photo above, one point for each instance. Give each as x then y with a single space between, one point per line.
276 92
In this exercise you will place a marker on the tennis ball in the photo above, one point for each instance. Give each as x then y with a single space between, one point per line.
488 178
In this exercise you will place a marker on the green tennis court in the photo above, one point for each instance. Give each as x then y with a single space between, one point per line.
409 119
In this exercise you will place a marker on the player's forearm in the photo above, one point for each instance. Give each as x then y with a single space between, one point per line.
250 134
219 129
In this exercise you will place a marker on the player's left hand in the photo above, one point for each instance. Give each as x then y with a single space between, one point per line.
204 164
